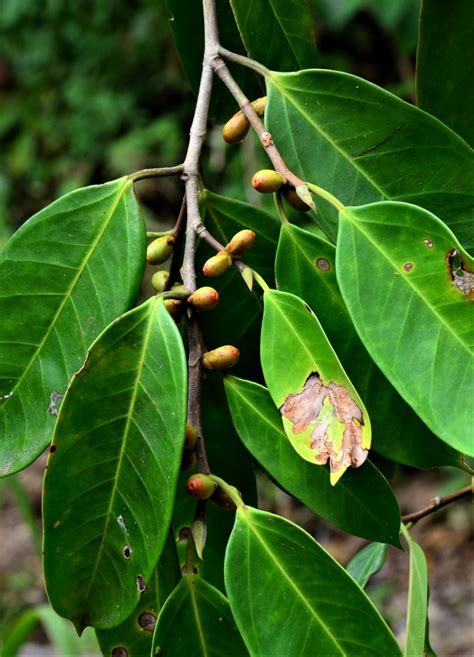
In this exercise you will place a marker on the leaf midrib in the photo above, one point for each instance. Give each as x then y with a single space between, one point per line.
125 435
68 292
244 514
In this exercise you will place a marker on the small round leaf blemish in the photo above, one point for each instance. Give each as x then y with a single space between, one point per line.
119 652
127 551
147 621
52 449
428 243
323 264
408 266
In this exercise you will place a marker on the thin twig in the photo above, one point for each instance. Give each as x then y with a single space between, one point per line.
437 503
244 61
159 172
202 232
221 70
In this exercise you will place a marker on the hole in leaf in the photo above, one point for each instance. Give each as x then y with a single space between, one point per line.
462 277
141 586
127 551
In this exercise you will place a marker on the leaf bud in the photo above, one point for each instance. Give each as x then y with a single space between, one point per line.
221 358
259 105
159 250
236 128
204 298
174 307
217 265
200 486
267 181
294 200
199 533
222 499
160 279
188 460
190 437
241 242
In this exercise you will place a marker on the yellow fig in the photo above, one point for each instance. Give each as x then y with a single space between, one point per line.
294 200
267 181
204 298
259 105
200 486
236 128
241 242
159 250
217 265
160 279
221 358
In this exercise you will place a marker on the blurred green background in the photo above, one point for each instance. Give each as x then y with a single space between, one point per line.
92 90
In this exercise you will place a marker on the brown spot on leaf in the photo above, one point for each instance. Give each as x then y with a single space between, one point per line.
323 264
147 621
141 586
183 534
428 243
324 406
408 266
119 651
52 449
462 277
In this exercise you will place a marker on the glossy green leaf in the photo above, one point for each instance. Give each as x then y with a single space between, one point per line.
414 316
323 415
306 266
363 145
238 317
290 597
197 621
110 483
444 69
228 457
60 633
135 635
367 562
417 599
277 33
187 26
66 273
259 425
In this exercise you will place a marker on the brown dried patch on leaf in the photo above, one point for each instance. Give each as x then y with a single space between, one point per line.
337 420
462 277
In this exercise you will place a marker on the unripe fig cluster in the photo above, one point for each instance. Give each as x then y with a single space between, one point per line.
237 127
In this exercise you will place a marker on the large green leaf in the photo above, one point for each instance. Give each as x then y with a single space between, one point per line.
417 600
444 64
110 483
68 272
306 266
187 25
369 561
135 635
363 144
227 457
197 621
277 33
323 415
402 276
260 429
289 597
237 319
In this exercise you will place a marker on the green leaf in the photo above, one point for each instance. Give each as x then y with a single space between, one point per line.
417 599
60 633
135 635
111 478
186 18
323 415
363 144
277 33
367 562
260 428
66 273
414 316
444 71
289 597
230 459
306 266
197 620
238 317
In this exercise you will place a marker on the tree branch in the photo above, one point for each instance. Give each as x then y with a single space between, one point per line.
437 503
221 70
159 172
